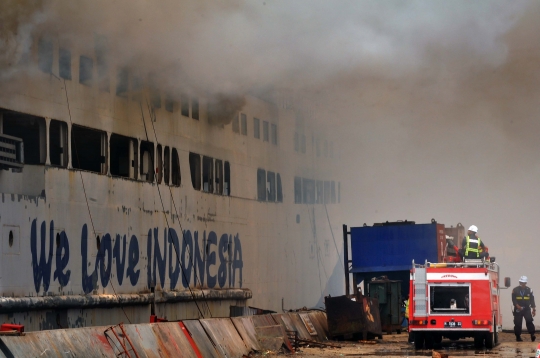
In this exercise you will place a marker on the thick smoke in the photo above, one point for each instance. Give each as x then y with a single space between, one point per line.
433 104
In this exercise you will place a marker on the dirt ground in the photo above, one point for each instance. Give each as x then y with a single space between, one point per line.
395 345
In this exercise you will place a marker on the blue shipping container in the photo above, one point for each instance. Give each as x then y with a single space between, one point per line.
392 247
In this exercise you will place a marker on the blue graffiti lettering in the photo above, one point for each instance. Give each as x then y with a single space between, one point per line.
238 263
120 260
133 260
62 260
41 268
104 259
210 259
187 245
222 269
87 280
199 258
174 273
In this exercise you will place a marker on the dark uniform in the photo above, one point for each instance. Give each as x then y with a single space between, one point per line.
523 297
472 247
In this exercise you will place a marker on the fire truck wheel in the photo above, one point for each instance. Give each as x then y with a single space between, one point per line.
479 340
428 339
418 340
492 337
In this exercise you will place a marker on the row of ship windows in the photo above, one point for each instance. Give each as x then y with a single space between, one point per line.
120 156
310 191
320 147
269 130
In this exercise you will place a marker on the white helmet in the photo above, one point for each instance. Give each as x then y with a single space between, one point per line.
473 228
523 279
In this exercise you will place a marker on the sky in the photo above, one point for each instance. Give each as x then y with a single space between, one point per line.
434 104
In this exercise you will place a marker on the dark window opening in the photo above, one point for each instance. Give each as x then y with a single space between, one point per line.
136 88
159 163
122 157
271 186
122 83
227 181
308 186
176 178
320 192
166 165
195 168
45 55
58 149
31 130
169 104
261 185
219 176
195 109
86 66
236 124
88 149
257 128
297 190
146 166
303 144
274 134
333 191
327 192
449 299
266 136
243 123
64 63
208 174
279 189
102 62
184 105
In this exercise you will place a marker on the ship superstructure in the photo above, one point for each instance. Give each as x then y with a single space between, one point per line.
124 199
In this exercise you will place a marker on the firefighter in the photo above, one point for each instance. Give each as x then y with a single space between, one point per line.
523 301
472 247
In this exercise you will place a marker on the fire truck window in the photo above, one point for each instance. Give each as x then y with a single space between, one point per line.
195 168
449 298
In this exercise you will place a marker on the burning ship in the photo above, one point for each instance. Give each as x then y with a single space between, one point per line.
122 199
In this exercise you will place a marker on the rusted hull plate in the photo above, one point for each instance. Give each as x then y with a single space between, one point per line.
346 317
299 325
172 341
202 340
88 342
314 316
245 327
225 335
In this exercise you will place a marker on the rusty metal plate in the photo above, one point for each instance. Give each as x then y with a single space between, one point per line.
314 317
82 342
299 326
270 337
143 339
304 316
263 320
320 317
172 340
349 317
245 327
226 337
202 340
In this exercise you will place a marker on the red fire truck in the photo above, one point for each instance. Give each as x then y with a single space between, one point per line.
455 300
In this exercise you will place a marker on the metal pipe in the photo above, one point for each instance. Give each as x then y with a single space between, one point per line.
346 260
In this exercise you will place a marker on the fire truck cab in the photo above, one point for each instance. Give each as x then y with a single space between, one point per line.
455 300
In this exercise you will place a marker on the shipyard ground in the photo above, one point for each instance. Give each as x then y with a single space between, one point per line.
395 345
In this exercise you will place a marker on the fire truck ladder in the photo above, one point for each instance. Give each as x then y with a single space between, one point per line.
420 294
120 338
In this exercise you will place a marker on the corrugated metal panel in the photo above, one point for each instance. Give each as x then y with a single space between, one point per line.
225 335
143 339
83 342
245 327
299 326
264 320
270 337
315 316
203 341
172 340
